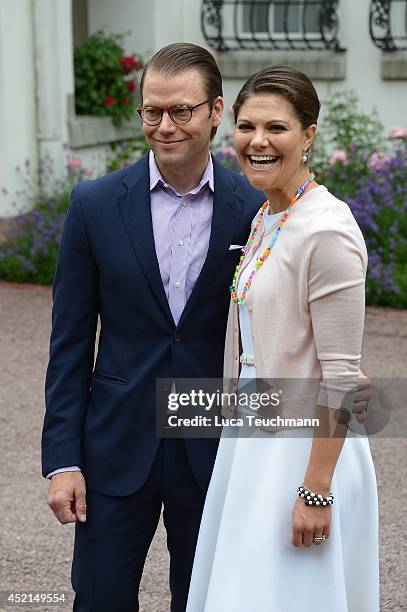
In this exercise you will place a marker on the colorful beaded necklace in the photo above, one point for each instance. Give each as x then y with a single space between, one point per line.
233 288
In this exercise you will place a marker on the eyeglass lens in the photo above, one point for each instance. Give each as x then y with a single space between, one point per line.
178 115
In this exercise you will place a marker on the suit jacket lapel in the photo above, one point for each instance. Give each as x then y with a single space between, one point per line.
227 209
135 209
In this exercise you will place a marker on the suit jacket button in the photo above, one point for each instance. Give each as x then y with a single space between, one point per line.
176 338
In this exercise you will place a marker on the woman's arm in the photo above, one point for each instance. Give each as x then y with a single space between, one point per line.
336 297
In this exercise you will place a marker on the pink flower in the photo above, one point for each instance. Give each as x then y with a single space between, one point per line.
73 163
229 152
338 156
377 162
396 133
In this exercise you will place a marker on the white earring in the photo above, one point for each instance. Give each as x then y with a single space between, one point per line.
304 157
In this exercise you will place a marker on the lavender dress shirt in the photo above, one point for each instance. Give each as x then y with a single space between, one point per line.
181 228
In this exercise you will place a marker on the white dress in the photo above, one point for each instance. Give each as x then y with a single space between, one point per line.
244 559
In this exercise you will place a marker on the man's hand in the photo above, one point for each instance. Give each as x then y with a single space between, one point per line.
362 397
67 497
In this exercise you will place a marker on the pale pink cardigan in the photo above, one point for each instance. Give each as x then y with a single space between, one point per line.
307 302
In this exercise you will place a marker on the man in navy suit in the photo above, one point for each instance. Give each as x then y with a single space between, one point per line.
146 249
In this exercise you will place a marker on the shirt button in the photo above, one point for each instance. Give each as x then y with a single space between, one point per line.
166 185
177 284
180 243
184 204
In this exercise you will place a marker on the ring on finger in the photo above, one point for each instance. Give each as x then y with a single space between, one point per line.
319 540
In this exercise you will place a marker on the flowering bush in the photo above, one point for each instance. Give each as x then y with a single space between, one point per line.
380 208
346 140
355 161
29 248
369 172
126 153
106 78
225 152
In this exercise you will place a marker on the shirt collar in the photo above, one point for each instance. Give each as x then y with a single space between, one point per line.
157 179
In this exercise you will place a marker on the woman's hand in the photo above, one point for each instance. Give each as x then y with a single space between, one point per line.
309 522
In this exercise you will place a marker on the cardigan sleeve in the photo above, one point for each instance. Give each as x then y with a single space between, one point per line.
336 297
231 362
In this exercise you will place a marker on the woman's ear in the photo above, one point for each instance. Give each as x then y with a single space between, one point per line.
309 135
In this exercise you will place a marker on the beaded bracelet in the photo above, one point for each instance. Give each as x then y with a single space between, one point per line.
313 499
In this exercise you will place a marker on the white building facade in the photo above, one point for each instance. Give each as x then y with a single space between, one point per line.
341 44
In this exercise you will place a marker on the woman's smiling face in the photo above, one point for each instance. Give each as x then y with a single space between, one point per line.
270 141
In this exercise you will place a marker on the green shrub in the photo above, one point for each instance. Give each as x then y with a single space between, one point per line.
106 78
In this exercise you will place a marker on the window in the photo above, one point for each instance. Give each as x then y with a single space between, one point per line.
80 22
388 24
281 25
281 16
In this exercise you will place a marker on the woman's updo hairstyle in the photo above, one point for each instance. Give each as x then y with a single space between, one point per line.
286 81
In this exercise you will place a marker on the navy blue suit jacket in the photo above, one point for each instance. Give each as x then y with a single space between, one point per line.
102 417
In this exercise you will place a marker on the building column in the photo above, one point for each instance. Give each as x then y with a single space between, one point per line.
18 148
53 56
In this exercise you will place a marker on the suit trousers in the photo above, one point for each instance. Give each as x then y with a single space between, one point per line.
111 547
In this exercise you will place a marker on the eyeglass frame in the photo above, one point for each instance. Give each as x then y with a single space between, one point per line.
168 109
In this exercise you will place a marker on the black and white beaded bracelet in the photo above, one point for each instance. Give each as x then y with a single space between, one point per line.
313 499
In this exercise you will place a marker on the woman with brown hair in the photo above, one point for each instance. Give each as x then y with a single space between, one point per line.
290 520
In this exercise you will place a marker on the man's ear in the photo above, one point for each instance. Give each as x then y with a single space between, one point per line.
217 111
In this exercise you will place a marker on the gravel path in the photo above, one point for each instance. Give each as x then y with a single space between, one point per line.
36 551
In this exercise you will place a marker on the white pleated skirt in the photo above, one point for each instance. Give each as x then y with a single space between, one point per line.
244 558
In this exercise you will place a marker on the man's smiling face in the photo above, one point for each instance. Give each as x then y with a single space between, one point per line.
174 145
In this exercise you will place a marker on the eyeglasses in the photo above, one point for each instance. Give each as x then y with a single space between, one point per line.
180 115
